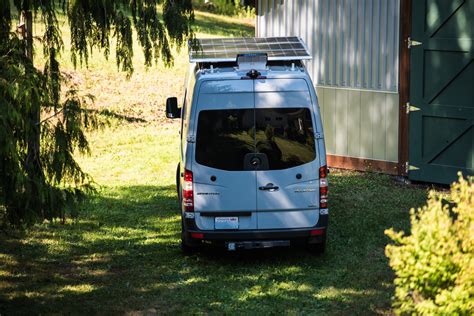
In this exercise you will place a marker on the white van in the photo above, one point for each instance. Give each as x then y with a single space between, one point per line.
252 171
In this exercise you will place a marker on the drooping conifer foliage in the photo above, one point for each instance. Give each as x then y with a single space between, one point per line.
40 127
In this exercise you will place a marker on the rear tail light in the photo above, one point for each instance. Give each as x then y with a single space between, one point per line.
317 232
323 172
188 196
323 187
197 235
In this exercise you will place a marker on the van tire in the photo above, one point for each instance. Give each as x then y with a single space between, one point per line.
317 249
187 247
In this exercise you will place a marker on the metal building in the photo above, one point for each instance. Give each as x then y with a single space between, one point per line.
364 54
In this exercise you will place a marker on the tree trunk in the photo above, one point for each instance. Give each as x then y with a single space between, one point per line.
28 20
33 163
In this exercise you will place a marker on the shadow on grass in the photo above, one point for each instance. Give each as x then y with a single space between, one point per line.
123 256
119 117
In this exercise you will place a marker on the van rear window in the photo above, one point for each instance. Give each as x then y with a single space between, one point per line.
224 137
284 136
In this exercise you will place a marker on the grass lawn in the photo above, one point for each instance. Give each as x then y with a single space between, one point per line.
122 254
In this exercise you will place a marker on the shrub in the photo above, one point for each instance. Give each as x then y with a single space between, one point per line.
434 265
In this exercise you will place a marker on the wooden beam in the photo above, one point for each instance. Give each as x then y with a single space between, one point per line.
403 135
362 164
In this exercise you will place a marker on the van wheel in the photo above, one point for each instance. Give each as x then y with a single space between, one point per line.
188 247
317 249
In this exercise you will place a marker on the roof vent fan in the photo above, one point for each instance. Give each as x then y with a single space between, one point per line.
252 61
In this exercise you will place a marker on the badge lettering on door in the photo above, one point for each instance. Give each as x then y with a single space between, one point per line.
304 190
208 193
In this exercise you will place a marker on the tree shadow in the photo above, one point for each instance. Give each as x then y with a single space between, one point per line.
108 114
123 256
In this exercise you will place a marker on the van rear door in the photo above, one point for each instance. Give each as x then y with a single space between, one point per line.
288 188
224 182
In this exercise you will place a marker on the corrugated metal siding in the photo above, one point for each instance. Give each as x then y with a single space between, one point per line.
354 42
361 124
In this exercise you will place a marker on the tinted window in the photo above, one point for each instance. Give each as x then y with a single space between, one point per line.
285 136
224 137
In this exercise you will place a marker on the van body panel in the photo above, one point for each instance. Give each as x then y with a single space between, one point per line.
217 189
208 222
296 201
291 194
227 101
288 219
291 99
295 205
225 86
281 85
230 192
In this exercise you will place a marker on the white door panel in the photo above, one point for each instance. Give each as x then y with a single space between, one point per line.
288 191
225 121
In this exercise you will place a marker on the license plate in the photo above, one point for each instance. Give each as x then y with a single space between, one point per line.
226 222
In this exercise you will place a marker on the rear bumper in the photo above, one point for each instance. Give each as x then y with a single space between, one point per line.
254 234
270 234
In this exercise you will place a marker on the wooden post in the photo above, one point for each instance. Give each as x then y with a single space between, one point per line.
403 135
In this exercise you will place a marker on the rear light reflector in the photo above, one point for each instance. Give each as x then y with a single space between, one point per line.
188 195
323 187
317 232
197 235
323 172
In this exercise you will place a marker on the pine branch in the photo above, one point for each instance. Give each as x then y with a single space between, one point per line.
50 117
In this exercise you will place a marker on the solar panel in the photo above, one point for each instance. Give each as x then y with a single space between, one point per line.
227 49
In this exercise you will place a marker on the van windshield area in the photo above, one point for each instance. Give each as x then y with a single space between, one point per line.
284 136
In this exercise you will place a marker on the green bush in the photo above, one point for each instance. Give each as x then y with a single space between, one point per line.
434 266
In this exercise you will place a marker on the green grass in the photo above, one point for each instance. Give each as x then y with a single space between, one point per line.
122 254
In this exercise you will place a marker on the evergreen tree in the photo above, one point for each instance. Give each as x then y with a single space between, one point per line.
40 130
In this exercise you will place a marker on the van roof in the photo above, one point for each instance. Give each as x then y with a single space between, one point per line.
223 71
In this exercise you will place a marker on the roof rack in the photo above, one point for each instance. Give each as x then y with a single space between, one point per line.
219 50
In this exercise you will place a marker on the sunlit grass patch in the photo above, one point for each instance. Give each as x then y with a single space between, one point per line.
339 294
194 280
78 289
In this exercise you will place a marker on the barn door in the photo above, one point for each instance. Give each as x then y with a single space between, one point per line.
441 134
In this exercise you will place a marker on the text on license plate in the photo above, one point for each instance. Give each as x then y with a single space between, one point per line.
226 223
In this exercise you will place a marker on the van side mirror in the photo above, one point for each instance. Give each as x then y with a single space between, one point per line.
172 110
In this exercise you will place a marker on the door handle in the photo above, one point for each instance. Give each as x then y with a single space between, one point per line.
269 187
